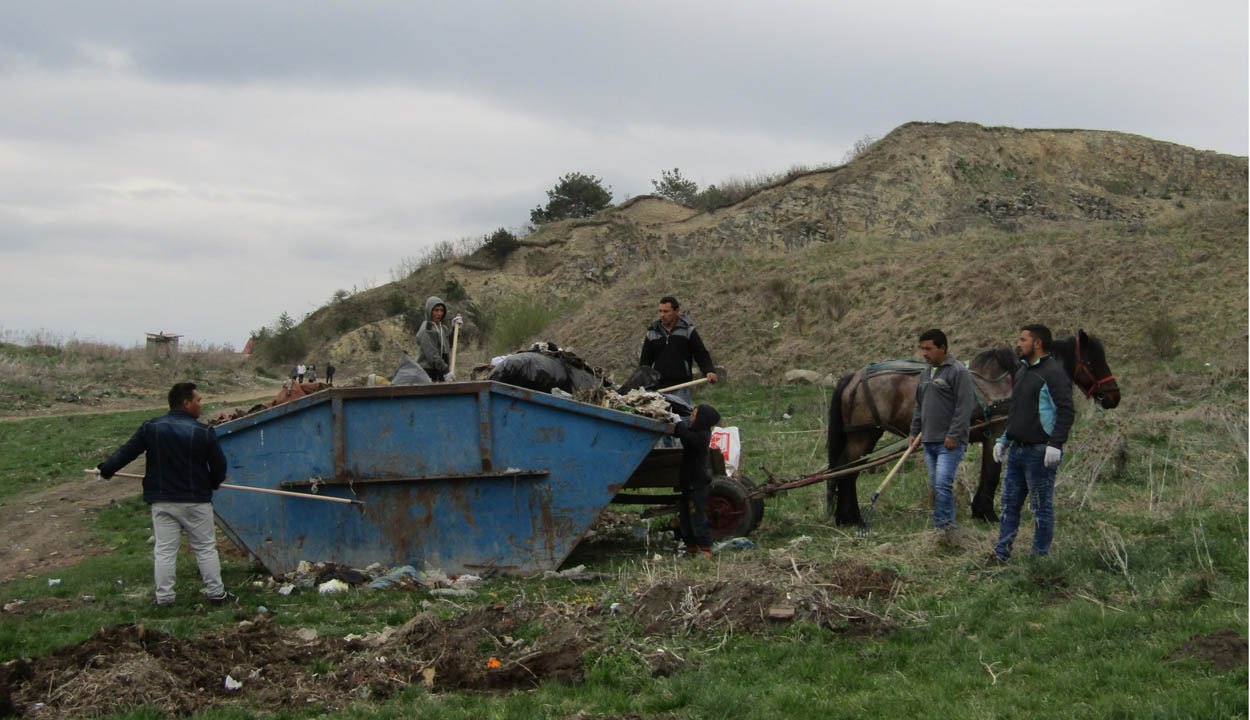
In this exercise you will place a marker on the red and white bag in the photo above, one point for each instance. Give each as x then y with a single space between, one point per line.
726 440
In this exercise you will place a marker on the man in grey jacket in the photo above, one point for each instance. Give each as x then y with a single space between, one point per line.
433 341
944 402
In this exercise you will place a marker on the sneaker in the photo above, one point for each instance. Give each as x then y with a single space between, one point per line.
158 604
227 597
995 559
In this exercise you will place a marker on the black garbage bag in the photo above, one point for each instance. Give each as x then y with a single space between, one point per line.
409 372
645 377
538 371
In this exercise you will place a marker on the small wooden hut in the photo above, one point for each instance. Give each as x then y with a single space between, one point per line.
162 345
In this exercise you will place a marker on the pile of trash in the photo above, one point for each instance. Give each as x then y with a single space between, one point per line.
544 366
638 401
332 577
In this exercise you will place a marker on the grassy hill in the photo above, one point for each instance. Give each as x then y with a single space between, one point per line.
960 226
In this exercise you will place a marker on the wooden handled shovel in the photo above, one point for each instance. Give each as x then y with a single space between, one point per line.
872 506
309 496
455 345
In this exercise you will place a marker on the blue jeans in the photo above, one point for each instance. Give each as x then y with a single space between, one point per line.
692 515
1027 475
942 463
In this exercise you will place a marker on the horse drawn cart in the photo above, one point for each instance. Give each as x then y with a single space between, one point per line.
468 477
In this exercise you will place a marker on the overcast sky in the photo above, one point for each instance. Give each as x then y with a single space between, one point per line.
201 167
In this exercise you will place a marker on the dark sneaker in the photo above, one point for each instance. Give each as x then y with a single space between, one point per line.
995 559
228 597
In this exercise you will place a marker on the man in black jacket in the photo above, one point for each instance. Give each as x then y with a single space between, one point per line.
1032 445
185 465
695 435
672 345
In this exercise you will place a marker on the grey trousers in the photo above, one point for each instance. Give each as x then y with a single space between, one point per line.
168 522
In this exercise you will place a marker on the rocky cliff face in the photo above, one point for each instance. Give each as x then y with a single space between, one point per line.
919 181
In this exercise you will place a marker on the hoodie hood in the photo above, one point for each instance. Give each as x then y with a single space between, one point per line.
706 419
430 303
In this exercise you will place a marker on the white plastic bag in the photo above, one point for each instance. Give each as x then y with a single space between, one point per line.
726 440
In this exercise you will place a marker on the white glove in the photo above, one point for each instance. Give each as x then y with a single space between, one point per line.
674 418
1052 457
457 320
1000 453
449 377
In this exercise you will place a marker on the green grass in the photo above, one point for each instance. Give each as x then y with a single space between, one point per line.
1071 635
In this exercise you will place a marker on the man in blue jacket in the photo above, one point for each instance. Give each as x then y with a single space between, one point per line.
185 465
1032 445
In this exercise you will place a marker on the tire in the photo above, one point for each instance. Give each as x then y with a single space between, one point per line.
757 503
730 513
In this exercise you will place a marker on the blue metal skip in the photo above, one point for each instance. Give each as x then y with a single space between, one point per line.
466 477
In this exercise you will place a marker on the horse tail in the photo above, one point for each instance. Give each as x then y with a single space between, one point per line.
837 429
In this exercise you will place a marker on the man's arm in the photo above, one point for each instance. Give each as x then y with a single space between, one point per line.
964 403
134 447
915 414
216 460
701 355
1060 388
647 356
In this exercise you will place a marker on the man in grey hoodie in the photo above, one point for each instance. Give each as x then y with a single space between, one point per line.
944 403
433 341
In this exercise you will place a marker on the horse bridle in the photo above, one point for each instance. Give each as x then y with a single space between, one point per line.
1083 367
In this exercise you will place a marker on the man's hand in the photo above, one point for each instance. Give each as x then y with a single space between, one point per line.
1000 452
457 320
711 377
949 443
449 377
1053 454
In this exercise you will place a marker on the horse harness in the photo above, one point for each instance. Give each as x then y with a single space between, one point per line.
1083 368
911 367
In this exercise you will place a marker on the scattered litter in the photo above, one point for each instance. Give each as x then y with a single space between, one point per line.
380 638
261 609
577 574
306 634
427 677
453 592
738 543
781 612
465 581
86 598
54 581
13 605
657 557
303 568
151 539
232 684
614 607
493 663
331 586
352 637
402 576
286 589
800 540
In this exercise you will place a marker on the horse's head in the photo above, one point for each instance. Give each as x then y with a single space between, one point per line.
1091 372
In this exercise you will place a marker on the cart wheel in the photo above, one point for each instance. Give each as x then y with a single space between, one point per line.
729 513
757 503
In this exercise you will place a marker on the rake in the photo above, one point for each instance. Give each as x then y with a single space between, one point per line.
872 506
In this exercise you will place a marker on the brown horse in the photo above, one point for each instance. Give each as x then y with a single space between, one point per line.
881 397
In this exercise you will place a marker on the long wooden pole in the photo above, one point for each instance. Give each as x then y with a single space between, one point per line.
455 345
691 383
309 496
897 465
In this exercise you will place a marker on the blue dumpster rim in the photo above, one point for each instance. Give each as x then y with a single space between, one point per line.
436 389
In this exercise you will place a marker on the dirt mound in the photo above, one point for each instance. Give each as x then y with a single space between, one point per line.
494 648
1224 649
752 606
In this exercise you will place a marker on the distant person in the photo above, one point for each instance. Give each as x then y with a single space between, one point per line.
185 465
330 373
672 346
1032 445
434 341
300 370
295 373
944 402
695 479
312 373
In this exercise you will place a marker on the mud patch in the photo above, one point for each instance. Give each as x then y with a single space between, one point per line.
123 667
1223 649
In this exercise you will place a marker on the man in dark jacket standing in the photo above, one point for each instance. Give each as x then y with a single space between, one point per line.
185 465
695 435
672 345
1032 445
944 401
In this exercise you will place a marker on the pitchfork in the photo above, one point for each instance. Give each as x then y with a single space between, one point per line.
872 506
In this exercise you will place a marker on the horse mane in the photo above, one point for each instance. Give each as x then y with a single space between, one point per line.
1004 357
